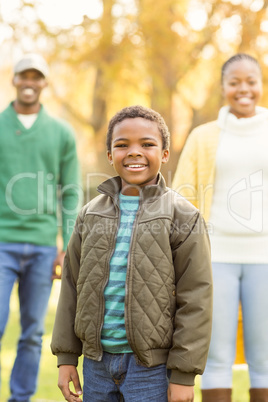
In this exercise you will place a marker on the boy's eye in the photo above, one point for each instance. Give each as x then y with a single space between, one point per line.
120 145
148 144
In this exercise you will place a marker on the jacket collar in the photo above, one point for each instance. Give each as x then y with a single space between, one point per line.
112 188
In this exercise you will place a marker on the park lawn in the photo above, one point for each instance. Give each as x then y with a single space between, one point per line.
47 386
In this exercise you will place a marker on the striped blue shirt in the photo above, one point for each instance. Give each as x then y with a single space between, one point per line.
113 335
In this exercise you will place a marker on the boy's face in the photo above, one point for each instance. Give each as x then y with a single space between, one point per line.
136 153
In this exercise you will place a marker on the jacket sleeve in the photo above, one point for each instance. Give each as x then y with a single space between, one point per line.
65 344
185 178
193 318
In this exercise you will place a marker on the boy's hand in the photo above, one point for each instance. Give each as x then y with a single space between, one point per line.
180 393
67 374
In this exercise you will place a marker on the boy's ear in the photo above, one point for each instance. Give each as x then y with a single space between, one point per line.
165 156
109 156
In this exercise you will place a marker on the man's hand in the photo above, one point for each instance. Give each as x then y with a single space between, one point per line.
67 374
57 265
180 393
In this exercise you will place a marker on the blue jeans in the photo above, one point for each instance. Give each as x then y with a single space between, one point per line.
31 266
248 283
118 377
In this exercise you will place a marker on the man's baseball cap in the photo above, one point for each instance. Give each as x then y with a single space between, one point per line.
32 61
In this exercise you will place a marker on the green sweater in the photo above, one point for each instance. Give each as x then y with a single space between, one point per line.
39 177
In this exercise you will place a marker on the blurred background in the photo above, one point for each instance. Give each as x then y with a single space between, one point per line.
105 55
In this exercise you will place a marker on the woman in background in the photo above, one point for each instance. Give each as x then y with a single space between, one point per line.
223 171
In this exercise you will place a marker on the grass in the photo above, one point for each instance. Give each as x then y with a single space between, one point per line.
47 386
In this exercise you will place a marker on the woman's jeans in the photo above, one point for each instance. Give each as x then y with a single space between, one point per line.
31 266
119 378
248 283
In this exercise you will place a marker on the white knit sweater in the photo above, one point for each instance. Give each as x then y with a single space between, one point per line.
239 212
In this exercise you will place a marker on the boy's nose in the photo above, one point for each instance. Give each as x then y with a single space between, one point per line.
134 151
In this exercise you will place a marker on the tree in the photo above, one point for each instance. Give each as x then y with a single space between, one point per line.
138 52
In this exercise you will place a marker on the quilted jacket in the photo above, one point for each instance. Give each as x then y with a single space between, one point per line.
168 302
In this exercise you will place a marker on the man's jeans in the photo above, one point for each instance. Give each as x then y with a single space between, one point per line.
31 266
119 378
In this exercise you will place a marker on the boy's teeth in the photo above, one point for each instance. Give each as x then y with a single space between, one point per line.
133 166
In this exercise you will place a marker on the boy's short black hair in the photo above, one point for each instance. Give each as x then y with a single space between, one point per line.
131 112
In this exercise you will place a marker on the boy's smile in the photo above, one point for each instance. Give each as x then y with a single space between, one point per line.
137 153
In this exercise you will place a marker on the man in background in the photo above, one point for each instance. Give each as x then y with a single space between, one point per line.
39 176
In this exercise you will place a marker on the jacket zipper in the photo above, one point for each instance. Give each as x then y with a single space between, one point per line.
128 332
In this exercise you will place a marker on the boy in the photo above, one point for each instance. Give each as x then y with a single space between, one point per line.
136 290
